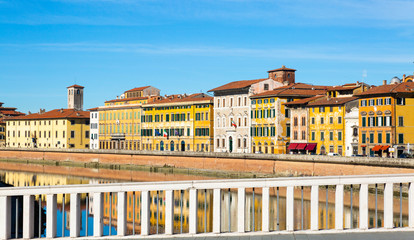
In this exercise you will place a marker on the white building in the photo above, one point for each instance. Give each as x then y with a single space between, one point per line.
351 131
232 109
94 128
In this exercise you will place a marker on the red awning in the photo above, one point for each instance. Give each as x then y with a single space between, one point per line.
385 147
311 146
301 146
363 145
292 146
376 148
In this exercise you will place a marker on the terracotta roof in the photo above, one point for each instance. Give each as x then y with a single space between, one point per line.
404 87
54 114
138 89
304 101
295 89
76 86
341 88
11 113
126 99
328 101
177 99
93 109
283 68
237 84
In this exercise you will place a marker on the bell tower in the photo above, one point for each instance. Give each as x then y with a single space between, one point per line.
75 97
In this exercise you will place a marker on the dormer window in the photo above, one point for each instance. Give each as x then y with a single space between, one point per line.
266 87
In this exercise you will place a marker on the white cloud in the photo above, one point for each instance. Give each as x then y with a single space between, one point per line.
317 52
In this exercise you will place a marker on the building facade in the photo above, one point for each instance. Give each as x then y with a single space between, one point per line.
59 128
351 131
385 121
271 121
6 112
232 109
94 128
120 119
178 123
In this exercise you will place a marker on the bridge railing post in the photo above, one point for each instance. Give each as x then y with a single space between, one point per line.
241 207
74 214
193 211
5 217
314 207
217 210
145 213
339 207
97 214
265 209
28 216
122 214
289 208
363 206
388 205
411 205
169 212
51 219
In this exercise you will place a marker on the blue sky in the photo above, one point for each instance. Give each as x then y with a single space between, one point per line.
188 46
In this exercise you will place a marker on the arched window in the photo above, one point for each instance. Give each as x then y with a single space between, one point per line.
78 91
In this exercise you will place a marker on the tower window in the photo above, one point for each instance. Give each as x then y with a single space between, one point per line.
78 92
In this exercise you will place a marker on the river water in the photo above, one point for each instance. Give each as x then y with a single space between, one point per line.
18 174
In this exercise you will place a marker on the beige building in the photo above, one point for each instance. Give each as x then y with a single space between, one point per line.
232 109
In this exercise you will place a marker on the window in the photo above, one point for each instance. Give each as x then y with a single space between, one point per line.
313 120
322 136
371 138
400 121
379 137
313 136
339 120
321 109
331 109
388 137
379 101
322 120
355 132
218 103
363 103
400 138
303 135
372 102
295 135
330 120
295 121
224 102
72 134
364 138
339 136
266 86
86 134
400 101
303 121
331 136
72 122
388 101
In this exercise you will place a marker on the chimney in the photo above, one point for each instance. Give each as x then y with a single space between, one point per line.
384 82
403 78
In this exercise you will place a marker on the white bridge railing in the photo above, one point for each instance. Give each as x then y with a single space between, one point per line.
390 188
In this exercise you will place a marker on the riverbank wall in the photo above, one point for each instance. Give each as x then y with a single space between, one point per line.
285 164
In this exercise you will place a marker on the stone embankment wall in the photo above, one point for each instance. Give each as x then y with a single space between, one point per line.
228 162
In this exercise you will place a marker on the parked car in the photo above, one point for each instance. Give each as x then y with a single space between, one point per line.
405 155
333 154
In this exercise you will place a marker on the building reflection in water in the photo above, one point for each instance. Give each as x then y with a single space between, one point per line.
205 198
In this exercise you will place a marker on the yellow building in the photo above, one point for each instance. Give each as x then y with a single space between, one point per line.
270 120
327 125
120 119
178 123
385 120
59 128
